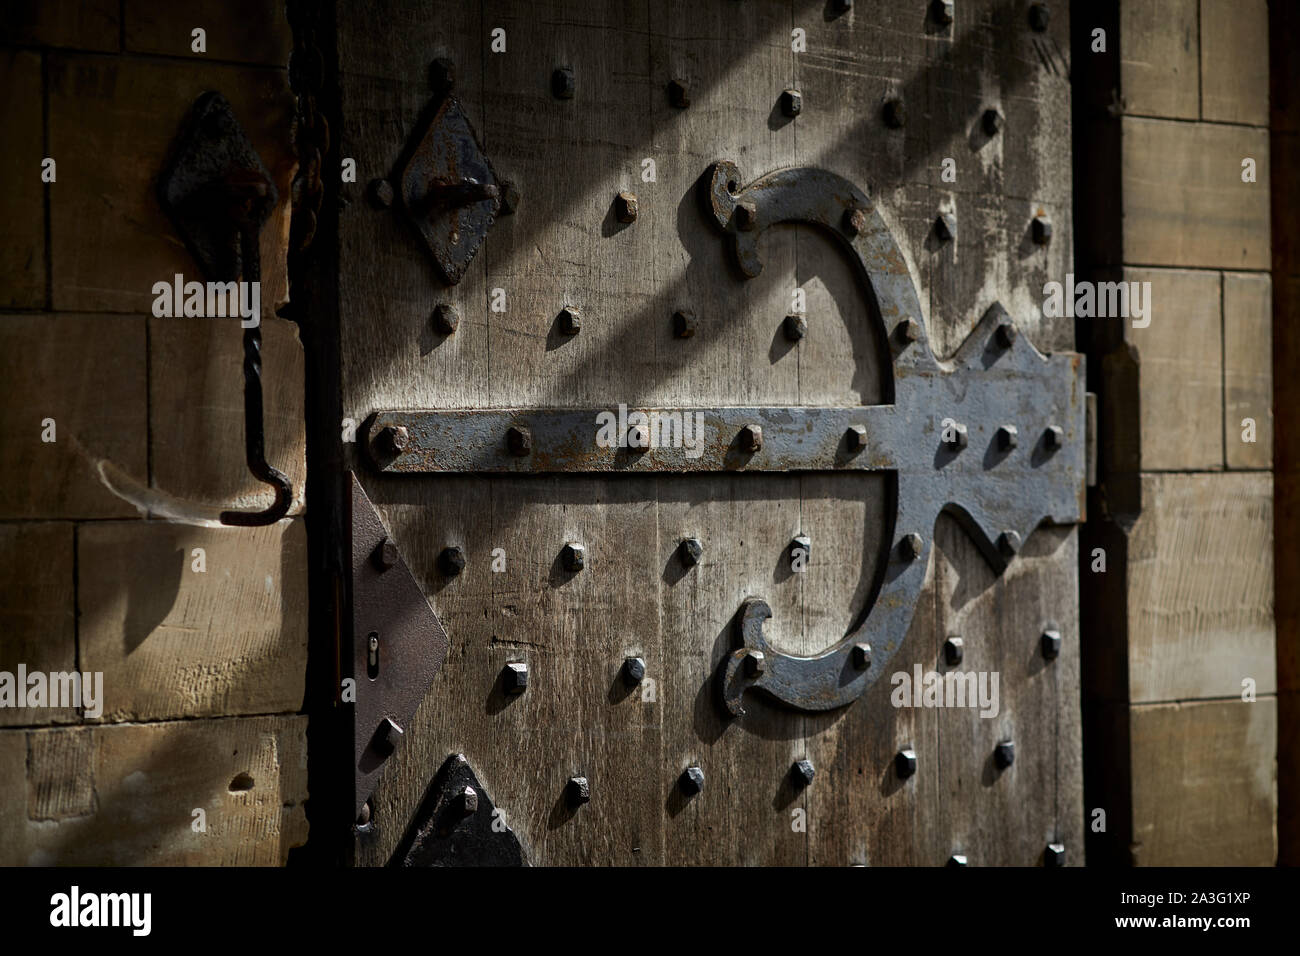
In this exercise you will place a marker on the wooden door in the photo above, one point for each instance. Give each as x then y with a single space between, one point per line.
565 246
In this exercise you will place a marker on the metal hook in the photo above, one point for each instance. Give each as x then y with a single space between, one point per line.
218 193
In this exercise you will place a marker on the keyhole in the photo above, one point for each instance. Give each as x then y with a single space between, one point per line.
372 660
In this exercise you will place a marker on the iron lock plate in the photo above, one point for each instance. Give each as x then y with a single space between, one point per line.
398 643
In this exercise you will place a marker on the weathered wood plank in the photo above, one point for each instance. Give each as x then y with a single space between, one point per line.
1008 816
1200 596
1206 795
88 375
173 641
1184 203
572 629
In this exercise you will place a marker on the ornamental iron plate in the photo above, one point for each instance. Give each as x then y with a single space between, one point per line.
995 436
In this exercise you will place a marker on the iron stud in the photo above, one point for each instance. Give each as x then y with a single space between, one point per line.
446 318
633 671
451 561
905 762
520 440
577 791
1050 643
1054 437
387 736
791 102
803 772
895 114
625 207
958 439
755 663
385 554
856 438
911 546
683 323
392 440
1004 754
691 781
751 438
689 551
510 197
678 94
855 221
466 801
945 227
570 321
574 557
1009 543
992 122
515 677
1041 230
861 656
1008 437
953 650
1054 855
563 83
795 327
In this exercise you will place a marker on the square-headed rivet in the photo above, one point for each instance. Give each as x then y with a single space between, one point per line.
905 762
803 772
515 677
574 556
691 781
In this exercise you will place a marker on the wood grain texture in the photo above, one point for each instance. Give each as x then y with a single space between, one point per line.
564 247
1159 46
1248 369
23 266
88 374
37 609
1207 793
196 400
125 795
1234 61
1201 587
110 238
1179 370
175 642
1184 203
